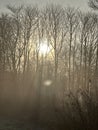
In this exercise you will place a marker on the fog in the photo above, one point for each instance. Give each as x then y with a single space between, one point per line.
49 67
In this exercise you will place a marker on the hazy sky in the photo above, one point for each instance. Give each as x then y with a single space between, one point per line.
82 4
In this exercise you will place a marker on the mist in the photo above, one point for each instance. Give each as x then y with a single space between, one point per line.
49 67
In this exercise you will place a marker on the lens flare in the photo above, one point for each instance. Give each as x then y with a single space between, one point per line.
47 82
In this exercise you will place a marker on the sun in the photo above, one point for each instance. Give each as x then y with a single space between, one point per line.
44 48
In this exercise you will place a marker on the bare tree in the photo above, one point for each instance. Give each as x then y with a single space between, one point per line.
71 24
93 4
5 31
54 32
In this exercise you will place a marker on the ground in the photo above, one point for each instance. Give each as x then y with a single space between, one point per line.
11 124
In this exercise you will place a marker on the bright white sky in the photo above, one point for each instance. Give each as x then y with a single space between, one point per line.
82 4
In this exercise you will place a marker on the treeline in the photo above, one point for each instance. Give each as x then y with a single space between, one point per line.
71 35
56 84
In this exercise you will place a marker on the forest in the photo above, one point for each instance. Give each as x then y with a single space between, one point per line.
49 66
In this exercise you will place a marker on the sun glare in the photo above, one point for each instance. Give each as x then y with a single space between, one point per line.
44 48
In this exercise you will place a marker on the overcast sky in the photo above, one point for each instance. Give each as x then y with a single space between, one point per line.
82 4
